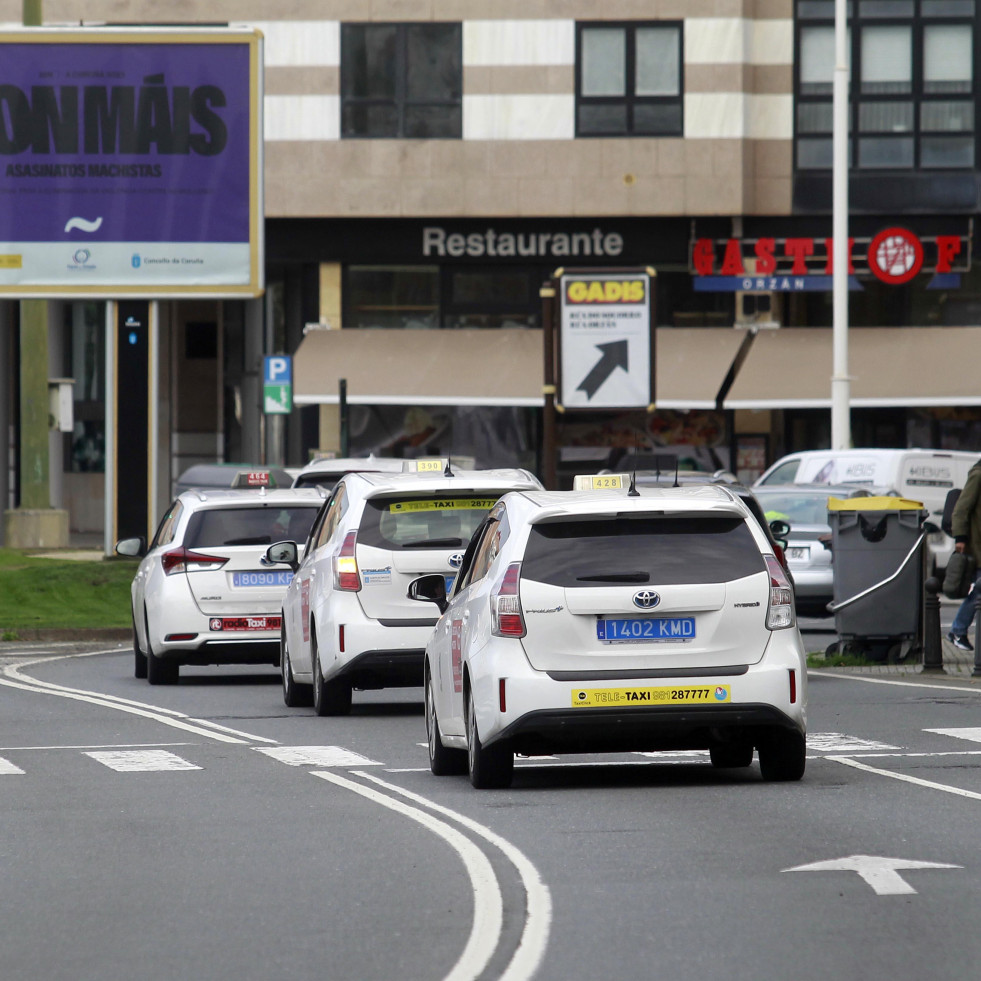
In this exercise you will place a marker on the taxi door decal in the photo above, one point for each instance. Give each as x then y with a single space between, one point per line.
456 653
305 607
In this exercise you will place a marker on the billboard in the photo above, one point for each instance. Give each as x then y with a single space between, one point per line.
130 162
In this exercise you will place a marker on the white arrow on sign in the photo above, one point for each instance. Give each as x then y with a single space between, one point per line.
882 874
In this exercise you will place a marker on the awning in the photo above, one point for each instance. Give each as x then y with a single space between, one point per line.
487 367
790 368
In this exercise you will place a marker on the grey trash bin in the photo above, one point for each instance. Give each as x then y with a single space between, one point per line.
876 544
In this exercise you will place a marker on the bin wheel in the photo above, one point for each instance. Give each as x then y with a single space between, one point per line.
903 652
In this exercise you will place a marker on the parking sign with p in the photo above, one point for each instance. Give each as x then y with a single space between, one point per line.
277 384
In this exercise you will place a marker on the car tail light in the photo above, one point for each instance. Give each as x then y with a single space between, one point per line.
346 574
780 609
184 560
507 620
793 686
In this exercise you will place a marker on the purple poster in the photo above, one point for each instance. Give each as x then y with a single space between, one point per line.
130 163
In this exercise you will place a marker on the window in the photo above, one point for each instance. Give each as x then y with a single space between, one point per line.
391 296
913 89
628 79
402 81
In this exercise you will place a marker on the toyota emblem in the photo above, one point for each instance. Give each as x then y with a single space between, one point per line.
456 560
646 599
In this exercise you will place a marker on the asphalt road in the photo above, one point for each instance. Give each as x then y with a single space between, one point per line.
206 831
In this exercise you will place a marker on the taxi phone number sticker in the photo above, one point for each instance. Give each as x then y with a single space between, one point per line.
465 504
668 695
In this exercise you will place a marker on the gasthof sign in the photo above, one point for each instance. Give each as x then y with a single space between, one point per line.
605 350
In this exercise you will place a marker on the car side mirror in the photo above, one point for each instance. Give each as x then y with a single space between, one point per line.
134 548
282 553
780 528
429 589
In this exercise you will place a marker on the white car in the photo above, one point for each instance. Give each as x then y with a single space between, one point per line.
202 593
347 621
596 621
327 471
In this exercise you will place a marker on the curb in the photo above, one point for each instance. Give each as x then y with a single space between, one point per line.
54 634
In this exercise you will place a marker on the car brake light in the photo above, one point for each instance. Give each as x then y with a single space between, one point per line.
346 574
507 620
184 560
780 609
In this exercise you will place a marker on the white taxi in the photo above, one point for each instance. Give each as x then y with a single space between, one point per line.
347 621
608 621
202 593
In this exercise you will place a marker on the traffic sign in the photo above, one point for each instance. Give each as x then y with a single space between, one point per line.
277 387
606 358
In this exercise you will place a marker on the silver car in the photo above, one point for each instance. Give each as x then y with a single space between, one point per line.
805 508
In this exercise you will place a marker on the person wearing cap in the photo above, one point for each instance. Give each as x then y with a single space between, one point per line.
966 528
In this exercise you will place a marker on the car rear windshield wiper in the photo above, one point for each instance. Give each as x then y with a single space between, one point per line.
432 543
254 540
616 577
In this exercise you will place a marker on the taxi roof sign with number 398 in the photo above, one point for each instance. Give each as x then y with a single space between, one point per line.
606 358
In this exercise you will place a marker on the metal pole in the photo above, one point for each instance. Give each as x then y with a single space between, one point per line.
549 451
933 654
976 673
345 426
840 382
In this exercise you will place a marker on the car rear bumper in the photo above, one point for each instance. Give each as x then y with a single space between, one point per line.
378 655
206 651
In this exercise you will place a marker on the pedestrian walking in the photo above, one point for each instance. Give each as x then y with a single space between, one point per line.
966 528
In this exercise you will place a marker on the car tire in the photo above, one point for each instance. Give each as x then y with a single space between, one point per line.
295 695
139 658
442 761
782 756
159 671
491 767
731 756
329 697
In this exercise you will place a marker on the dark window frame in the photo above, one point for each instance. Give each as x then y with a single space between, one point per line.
630 100
400 101
916 96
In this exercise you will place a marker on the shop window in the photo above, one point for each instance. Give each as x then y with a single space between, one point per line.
402 81
86 329
507 297
629 79
391 296
914 91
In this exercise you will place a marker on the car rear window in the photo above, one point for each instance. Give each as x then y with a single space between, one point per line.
250 526
659 551
426 521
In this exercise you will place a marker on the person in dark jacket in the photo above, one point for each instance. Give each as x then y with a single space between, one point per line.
966 528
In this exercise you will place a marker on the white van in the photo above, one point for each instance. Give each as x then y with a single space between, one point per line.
919 475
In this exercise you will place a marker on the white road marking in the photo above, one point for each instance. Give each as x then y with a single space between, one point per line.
177 720
534 937
868 680
488 914
882 874
837 742
142 761
7 768
316 756
905 777
973 734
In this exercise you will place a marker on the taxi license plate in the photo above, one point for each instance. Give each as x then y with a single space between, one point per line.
666 695
245 623
245 579
615 631
799 552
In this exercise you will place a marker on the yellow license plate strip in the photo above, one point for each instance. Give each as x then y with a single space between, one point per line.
656 695
461 504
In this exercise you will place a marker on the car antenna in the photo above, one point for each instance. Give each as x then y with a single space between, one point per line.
632 491
676 471
448 472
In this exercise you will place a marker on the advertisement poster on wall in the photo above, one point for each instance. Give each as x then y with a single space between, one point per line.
130 162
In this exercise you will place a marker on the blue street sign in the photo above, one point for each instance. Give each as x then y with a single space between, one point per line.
278 369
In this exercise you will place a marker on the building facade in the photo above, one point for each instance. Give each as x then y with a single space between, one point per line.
429 164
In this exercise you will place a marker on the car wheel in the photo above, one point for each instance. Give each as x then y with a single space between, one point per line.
329 697
782 756
490 766
139 658
442 761
731 755
159 671
294 695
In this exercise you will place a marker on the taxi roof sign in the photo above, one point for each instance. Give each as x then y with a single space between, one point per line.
253 478
426 465
600 481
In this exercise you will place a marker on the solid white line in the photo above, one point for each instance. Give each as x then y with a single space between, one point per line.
7 749
488 906
929 784
200 727
891 681
534 937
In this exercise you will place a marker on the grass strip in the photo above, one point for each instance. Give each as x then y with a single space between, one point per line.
54 593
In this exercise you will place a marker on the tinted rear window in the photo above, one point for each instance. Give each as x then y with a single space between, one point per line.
424 522
658 551
250 526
